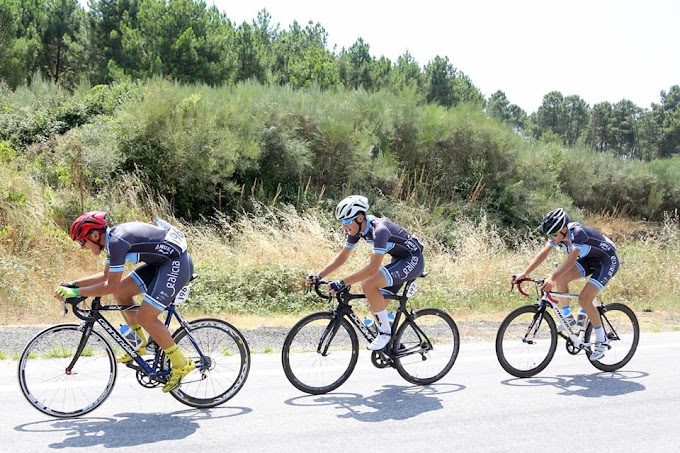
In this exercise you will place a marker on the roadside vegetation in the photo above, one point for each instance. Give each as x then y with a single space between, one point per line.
252 173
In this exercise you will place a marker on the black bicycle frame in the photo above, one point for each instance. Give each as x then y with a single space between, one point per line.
93 314
344 309
536 323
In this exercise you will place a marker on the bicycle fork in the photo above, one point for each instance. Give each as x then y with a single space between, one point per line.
86 328
328 335
532 330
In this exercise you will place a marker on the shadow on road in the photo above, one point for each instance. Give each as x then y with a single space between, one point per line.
587 385
392 402
129 429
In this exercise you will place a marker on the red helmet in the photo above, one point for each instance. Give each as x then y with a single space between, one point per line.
88 222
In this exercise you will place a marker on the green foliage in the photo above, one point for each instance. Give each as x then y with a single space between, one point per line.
258 289
188 144
206 149
43 110
447 86
7 154
602 183
190 42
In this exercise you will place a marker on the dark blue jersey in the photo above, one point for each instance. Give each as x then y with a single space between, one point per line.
588 241
387 237
137 242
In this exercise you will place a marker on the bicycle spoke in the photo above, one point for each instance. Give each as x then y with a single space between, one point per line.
226 365
306 367
623 332
428 350
526 342
45 382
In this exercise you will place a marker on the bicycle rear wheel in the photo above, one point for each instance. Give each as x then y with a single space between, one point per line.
50 388
223 372
428 348
320 353
623 331
526 341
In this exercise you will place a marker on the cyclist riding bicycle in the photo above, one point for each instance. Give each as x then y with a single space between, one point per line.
386 237
590 254
167 268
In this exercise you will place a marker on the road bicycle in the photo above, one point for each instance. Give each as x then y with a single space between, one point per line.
321 350
527 337
70 369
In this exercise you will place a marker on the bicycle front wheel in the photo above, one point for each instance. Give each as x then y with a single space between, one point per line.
526 341
320 353
222 370
428 348
50 387
623 331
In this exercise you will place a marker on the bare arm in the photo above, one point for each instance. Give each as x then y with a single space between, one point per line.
537 261
567 265
107 284
93 279
335 263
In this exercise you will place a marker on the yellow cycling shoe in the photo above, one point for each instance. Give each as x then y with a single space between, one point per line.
176 375
125 358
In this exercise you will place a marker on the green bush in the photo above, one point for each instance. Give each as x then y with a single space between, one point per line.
204 149
261 289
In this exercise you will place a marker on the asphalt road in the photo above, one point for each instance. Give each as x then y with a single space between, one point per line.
570 406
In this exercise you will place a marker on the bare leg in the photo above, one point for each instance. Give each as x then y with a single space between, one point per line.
371 287
562 284
586 299
148 318
124 296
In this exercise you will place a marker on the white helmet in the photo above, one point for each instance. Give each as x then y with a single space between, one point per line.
351 206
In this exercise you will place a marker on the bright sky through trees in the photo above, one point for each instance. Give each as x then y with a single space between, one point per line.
601 50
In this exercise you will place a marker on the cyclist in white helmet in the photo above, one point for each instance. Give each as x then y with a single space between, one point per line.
386 237
590 254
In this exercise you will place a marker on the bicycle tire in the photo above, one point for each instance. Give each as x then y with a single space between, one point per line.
623 339
518 356
47 386
311 371
429 358
224 374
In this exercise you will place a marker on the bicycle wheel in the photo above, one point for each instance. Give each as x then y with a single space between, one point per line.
320 353
428 348
526 341
223 372
50 388
622 328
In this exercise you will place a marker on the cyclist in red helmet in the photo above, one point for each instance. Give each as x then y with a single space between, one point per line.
167 268
90 221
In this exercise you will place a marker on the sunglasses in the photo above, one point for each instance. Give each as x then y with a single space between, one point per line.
554 235
347 221
81 242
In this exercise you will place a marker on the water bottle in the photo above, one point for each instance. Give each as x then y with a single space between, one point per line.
582 318
390 317
130 335
370 324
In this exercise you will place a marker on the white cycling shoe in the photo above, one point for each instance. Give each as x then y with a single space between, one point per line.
599 350
380 342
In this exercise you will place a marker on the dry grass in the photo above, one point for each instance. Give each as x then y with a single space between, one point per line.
471 281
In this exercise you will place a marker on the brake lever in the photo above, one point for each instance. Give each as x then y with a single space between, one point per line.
64 310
